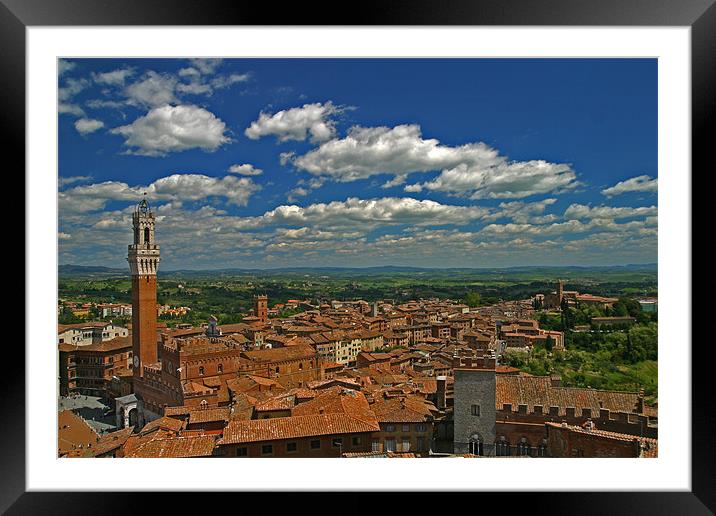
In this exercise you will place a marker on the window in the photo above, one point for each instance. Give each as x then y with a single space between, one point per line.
355 441
146 235
421 427
375 445
242 452
475 410
475 447
316 444
390 428
221 368
201 371
524 447
502 448
267 449
291 447
406 428
405 444
390 445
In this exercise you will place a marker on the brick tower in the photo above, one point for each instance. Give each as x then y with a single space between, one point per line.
143 258
261 307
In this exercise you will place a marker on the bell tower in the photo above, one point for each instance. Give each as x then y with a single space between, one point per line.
143 258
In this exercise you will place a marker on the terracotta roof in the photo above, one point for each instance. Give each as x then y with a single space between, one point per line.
110 442
163 423
401 410
276 403
337 400
293 427
538 390
650 446
172 447
280 354
108 345
200 415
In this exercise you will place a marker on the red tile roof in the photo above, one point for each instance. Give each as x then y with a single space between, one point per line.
294 427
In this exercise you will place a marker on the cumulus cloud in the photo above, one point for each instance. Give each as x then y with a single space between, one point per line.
64 66
114 78
367 151
523 212
472 170
504 179
635 184
64 181
206 65
88 125
65 108
296 123
177 188
368 213
245 170
63 236
66 93
152 90
581 211
172 129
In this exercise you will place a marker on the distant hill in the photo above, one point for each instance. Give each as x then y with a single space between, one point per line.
82 270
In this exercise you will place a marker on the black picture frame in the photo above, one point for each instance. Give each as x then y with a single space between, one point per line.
700 15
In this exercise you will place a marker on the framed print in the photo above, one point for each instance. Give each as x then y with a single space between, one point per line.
434 233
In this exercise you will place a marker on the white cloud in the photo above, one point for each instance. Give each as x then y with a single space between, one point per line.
64 108
400 150
473 170
296 123
224 81
100 104
64 181
64 66
635 184
176 188
523 212
87 125
364 214
245 170
173 129
581 211
71 88
63 236
152 90
66 93
206 65
114 78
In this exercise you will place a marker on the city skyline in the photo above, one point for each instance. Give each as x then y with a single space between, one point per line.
260 163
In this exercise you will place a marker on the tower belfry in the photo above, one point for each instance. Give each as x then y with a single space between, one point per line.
143 258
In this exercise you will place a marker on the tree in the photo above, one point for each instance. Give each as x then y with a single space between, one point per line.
472 299
549 343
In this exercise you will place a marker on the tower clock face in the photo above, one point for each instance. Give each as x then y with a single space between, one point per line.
136 361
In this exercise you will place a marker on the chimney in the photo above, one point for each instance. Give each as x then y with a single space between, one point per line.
640 402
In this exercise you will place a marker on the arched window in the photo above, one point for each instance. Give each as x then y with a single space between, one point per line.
542 450
524 447
146 235
204 404
502 447
201 371
475 446
221 368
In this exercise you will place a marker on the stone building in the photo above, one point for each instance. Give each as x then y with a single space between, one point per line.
474 410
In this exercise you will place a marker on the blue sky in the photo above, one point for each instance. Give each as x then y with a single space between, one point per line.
266 163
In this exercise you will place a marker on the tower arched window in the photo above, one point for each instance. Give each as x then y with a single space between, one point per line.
146 235
221 368
201 371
